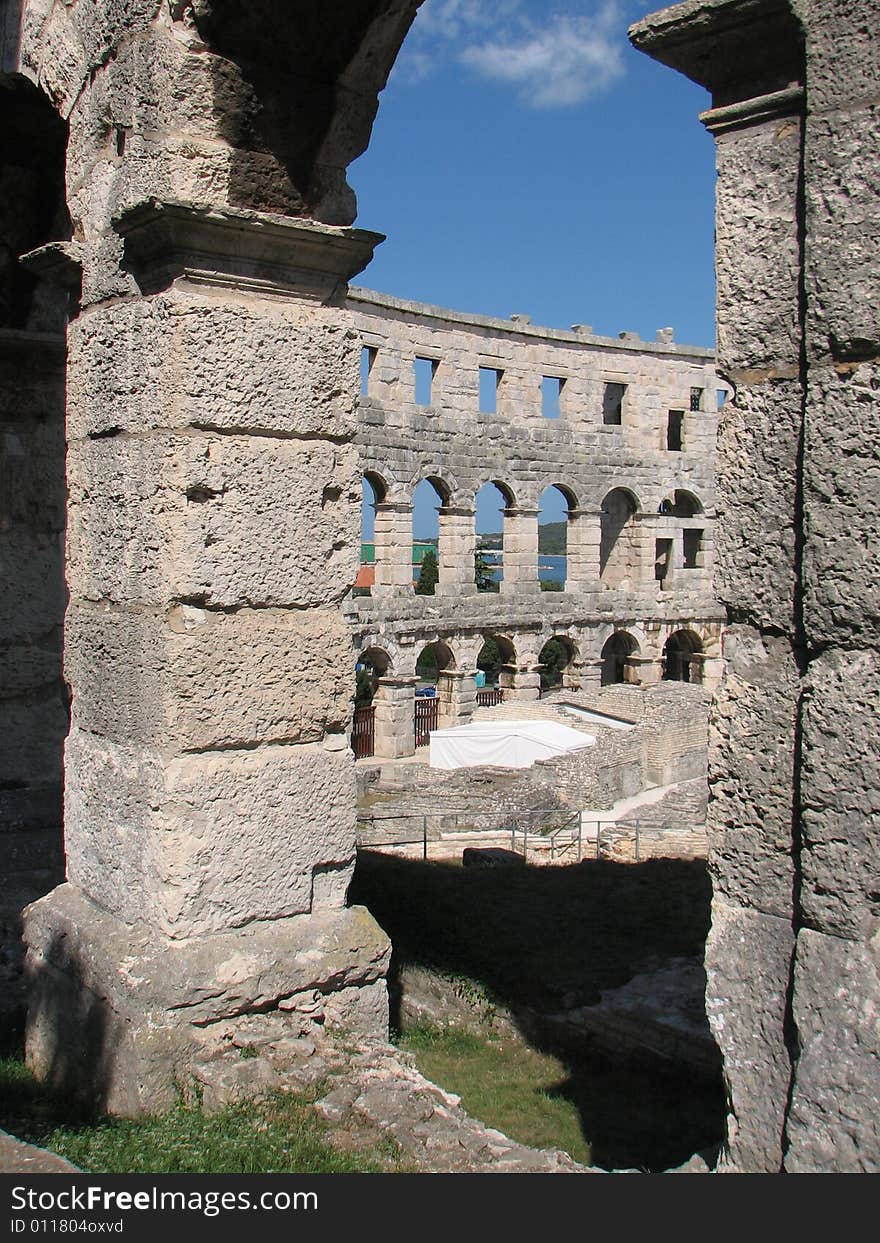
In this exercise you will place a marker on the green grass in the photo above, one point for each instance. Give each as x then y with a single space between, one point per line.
279 1133
502 1082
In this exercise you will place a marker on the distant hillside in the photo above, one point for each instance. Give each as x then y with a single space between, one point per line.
551 539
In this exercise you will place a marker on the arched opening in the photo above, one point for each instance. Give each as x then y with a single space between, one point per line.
617 664
429 498
374 534
619 561
33 500
496 652
432 660
554 510
683 658
372 664
555 657
681 504
490 502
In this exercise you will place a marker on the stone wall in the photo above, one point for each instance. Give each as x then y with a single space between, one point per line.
627 491
792 956
211 387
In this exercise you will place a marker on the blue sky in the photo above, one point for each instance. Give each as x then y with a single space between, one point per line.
526 159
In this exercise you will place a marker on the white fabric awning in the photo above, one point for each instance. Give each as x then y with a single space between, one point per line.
503 744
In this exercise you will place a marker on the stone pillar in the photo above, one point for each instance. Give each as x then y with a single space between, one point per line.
520 552
644 543
792 957
520 682
33 704
584 540
457 696
457 544
393 543
394 702
212 537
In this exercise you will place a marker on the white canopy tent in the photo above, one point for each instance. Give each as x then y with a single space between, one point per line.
503 744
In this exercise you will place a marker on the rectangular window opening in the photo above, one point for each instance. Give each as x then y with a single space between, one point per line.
693 546
721 397
551 395
368 357
490 379
674 431
612 404
424 369
696 399
662 559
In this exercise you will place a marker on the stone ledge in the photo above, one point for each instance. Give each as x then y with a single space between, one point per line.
256 251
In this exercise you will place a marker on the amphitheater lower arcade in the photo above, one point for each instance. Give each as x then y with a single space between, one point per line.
625 440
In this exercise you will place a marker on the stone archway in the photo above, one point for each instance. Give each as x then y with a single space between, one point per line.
212 518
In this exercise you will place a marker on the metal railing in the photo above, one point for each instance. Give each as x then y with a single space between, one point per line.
532 834
425 717
490 698
363 732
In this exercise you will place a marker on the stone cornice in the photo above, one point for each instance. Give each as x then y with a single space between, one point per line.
369 301
737 49
245 250
788 102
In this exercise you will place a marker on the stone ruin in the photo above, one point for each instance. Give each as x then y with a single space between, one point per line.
174 176
628 444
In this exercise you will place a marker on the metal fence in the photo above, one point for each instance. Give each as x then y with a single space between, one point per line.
426 716
546 836
363 732
490 698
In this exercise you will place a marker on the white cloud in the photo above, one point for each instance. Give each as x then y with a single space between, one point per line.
561 64
554 61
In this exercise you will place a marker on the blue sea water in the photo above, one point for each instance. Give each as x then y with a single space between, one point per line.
549 567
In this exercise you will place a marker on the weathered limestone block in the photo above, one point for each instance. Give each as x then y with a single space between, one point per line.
199 680
394 704
119 1012
33 728
216 520
212 361
31 468
840 860
33 561
751 770
834 1122
842 496
30 663
748 957
841 187
756 248
757 482
206 842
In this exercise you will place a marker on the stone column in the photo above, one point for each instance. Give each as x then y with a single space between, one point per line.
520 682
644 544
520 552
457 696
752 58
457 544
33 703
212 537
393 543
394 702
584 541
649 669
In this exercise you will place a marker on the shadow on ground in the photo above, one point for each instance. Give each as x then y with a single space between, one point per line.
541 939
